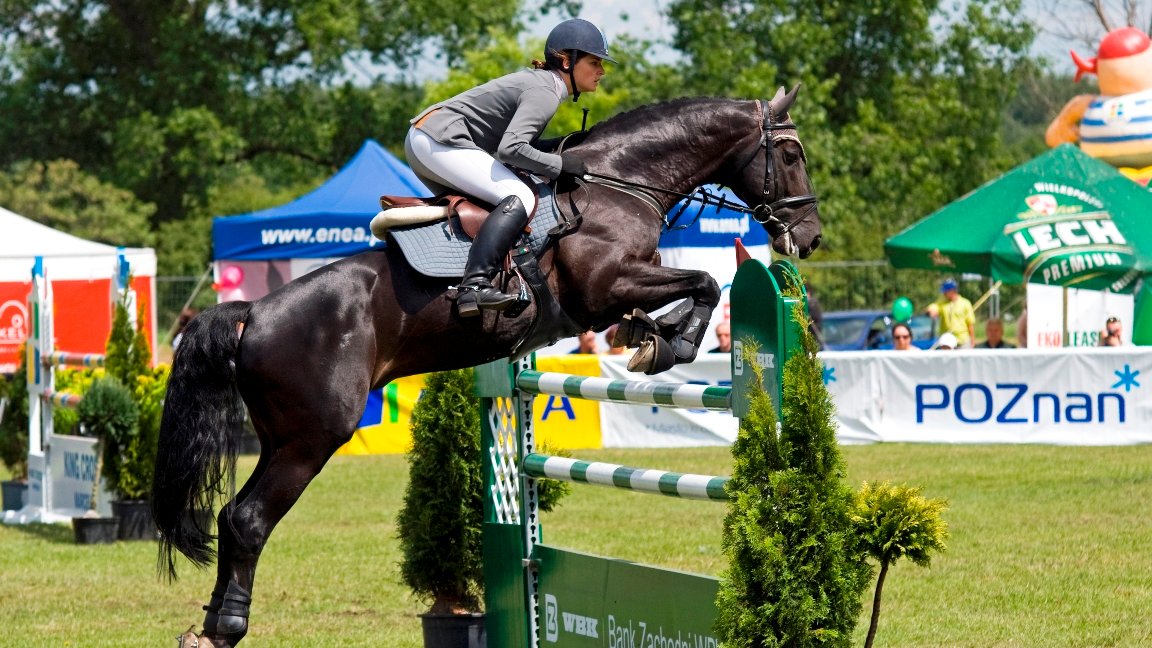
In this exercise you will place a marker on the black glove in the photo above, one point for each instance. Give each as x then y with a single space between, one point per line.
572 165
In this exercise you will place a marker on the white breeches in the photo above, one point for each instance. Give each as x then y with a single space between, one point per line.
471 171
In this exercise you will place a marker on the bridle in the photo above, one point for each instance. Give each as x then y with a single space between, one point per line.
771 132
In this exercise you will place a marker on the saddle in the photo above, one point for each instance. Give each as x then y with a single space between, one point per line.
405 211
435 234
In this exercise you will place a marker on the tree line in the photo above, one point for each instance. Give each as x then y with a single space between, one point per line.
135 122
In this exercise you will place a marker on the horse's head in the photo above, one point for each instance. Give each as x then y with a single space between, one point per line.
773 180
674 147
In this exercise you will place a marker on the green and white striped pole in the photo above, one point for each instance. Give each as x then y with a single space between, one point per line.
626 391
663 482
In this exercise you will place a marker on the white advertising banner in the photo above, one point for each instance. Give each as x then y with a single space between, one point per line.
73 472
1072 396
645 426
1070 317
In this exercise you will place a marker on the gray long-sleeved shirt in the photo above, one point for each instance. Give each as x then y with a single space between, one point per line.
502 117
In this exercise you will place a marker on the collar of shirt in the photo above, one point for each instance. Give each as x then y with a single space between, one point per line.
561 89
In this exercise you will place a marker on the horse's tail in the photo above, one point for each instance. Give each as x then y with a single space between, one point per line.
199 434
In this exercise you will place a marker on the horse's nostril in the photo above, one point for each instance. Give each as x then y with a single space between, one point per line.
807 252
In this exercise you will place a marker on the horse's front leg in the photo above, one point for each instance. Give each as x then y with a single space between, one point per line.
673 338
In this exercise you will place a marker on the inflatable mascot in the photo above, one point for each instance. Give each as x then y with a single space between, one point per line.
1116 125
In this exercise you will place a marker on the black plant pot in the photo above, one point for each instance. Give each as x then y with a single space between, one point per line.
95 530
135 520
13 494
454 630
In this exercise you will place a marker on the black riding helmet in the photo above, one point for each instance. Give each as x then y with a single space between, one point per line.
575 36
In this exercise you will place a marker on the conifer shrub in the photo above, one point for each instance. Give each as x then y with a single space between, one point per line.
440 524
442 517
126 354
14 425
108 413
130 460
796 567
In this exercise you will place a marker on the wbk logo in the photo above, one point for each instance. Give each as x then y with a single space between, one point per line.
577 624
551 619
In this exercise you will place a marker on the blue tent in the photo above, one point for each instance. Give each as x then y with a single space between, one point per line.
331 221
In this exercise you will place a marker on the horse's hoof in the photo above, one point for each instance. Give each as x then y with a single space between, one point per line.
634 328
192 640
653 356
643 358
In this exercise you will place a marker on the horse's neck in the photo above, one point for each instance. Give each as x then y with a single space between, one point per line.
679 151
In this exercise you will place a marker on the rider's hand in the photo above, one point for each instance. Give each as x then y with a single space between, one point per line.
570 164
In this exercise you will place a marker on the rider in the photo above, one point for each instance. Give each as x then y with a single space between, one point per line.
464 143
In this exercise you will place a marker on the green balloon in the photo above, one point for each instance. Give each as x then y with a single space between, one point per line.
902 309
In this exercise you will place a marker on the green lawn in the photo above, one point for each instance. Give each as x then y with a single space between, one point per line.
1049 547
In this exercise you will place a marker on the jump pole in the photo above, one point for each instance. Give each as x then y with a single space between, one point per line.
61 468
538 595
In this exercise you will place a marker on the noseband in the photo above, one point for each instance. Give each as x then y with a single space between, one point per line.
772 131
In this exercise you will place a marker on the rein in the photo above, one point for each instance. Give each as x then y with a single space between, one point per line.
763 213
644 193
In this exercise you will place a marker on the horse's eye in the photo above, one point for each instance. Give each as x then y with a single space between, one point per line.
791 156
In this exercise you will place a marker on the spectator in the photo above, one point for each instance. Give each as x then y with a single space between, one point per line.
956 314
946 342
1111 335
723 337
902 338
586 343
994 334
186 316
609 337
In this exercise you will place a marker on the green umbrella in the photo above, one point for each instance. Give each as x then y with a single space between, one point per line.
1061 219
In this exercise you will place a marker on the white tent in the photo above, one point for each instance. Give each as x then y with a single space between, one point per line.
65 256
82 272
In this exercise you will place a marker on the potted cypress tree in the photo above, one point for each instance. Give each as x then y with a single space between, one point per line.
14 437
441 521
443 513
108 413
129 458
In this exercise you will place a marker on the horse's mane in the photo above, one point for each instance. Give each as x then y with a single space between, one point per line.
652 114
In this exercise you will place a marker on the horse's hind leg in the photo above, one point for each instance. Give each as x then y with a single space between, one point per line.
246 523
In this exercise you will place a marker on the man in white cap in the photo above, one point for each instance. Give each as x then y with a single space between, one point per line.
956 314
946 342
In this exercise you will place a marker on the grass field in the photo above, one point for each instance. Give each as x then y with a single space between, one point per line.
1050 547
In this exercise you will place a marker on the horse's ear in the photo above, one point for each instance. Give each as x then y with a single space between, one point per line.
782 102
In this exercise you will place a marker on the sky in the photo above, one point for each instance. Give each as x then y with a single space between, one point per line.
645 19
642 18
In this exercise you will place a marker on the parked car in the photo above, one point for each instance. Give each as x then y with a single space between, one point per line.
863 330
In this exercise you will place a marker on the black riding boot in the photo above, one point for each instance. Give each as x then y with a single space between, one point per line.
495 238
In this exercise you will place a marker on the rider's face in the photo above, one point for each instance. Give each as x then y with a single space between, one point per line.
587 73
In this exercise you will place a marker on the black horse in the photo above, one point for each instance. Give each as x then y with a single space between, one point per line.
304 358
